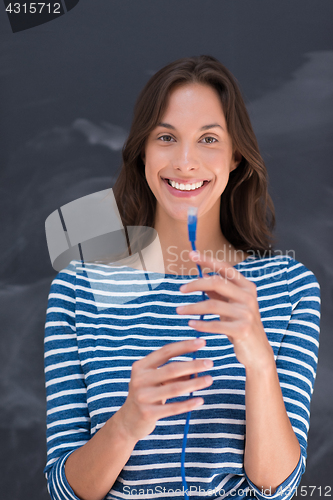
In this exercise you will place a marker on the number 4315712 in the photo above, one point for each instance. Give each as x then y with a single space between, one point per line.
33 8
305 491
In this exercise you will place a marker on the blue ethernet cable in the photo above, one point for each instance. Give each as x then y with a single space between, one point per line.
192 228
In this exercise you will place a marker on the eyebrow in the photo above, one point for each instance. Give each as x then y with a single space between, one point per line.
205 127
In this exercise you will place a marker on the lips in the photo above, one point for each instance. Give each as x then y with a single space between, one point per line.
184 181
185 194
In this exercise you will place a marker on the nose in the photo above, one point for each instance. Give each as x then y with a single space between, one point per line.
186 158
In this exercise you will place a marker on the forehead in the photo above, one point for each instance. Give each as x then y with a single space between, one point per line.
193 100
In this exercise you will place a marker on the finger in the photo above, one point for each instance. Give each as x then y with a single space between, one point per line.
153 395
176 389
223 268
216 285
179 379
226 328
211 306
175 369
168 351
171 409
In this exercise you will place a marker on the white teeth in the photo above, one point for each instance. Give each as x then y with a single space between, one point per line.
185 187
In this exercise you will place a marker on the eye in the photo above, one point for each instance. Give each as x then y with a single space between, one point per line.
165 138
211 140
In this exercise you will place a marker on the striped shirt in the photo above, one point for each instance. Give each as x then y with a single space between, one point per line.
101 318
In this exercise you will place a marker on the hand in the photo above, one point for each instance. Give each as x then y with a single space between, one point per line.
152 384
234 298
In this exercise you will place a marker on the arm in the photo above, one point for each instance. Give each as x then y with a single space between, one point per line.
296 365
84 467
79 466
272 449
68 421
93 468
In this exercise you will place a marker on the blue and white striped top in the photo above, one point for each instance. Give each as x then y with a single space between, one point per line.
101 318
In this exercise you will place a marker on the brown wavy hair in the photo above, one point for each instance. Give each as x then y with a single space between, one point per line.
247 213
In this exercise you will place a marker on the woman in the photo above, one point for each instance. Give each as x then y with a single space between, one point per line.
113 369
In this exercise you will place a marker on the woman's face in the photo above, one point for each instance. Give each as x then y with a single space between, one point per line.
190 145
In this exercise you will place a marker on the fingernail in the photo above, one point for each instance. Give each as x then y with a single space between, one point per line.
208 362
208 379
199 402
194 254
199 341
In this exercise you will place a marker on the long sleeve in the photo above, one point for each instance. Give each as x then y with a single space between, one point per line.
296 364
68 422
88 369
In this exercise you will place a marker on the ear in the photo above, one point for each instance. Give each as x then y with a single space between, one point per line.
237 158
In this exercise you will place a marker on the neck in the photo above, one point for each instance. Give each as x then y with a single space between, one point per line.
210 241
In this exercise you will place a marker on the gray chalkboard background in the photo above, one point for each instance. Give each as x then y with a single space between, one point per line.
67 93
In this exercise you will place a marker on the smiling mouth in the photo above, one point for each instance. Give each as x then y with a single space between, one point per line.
188 186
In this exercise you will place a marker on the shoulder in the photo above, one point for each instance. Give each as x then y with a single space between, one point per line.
66 277
77 269
276 263
282 270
